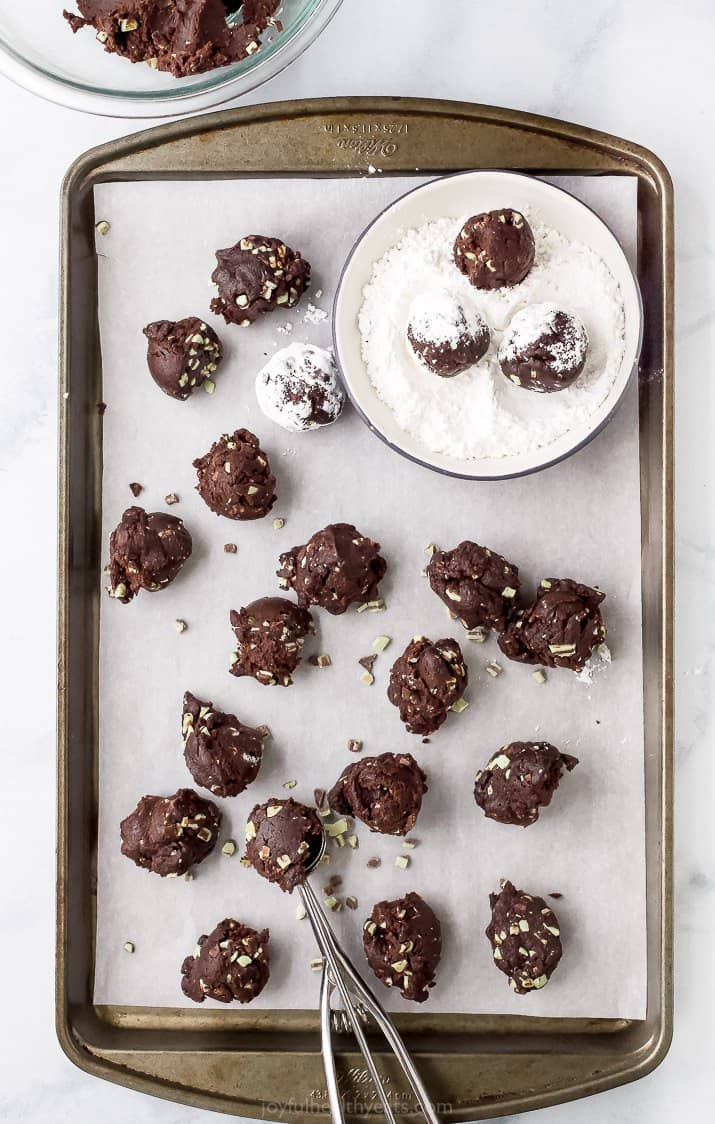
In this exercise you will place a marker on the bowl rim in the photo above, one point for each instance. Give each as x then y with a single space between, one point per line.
454 472
172 102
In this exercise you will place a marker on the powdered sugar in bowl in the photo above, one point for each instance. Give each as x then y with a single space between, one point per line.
484 421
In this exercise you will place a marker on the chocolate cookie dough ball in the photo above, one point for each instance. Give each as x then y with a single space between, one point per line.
544 348
519 779
494 249
476 584
255 276
235 478
299 389
283 841
560 629
230 963
337 567
384 792
182 355
525 938
146 551
169 834
444 335
425 681
403 945
270 634
220 752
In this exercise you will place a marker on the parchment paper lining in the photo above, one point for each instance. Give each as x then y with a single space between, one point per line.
580 519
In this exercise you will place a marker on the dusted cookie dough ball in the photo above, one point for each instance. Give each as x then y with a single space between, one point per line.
403 945
444 335
425 681
146 551
335 568
476 584
182 355
519 779
544 348
231 963
169 834
495 249
220 752
525 938
255 276
299 389
384 792
270 634
560 629
283 841
235 478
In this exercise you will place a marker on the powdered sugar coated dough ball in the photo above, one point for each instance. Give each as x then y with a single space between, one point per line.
299 389
544 348
444 335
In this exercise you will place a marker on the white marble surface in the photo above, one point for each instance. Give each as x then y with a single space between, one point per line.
642 69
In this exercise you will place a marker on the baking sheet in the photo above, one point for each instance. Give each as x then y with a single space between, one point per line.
579 519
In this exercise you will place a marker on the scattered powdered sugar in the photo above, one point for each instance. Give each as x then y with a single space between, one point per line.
315 315
532 323
480 413
298 388
438 317
597 662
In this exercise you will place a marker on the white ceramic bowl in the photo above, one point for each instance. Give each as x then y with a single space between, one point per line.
459 195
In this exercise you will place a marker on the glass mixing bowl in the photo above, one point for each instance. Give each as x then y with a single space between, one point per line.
40 53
